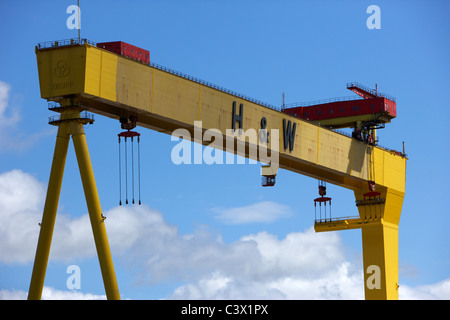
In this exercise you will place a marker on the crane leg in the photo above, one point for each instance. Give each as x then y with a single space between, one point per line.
380 257
380 246
71 126
49 214
95 214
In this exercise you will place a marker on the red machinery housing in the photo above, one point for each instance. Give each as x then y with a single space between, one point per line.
126 50
375 107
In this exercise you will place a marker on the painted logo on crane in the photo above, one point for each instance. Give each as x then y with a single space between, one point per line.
62 69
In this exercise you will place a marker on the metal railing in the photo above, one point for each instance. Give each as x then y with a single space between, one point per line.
64 42
345 98
72 116
372 91
69 42
214 86
337 219
377 145
322 101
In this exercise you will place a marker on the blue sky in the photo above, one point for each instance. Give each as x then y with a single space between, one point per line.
176 245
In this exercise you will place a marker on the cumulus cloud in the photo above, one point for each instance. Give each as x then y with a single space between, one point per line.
21 198
158 248
21 206
300 265
342 283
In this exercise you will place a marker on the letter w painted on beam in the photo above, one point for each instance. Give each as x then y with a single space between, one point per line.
288 134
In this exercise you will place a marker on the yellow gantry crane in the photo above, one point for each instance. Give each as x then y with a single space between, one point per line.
80 76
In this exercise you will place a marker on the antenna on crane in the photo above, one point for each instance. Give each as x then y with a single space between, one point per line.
79 22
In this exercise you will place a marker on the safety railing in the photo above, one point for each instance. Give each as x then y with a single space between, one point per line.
322 101
347 134
372 91
214 86
337 219
69 42
64 42
85 116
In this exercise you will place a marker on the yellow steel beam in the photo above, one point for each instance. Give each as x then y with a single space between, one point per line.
115 86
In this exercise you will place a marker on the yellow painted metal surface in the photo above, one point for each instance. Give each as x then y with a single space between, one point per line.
95 214
116 86
49 215
113 86
380 248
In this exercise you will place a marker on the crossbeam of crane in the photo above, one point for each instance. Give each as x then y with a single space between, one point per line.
115 86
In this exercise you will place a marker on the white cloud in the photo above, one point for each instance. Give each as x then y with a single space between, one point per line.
10 137
21 198
440 290
49 293
301 265
21 206
265 212
13 118
338 284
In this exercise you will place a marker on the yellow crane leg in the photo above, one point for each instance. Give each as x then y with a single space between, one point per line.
72 125
49 215
379 230
380 258
95 213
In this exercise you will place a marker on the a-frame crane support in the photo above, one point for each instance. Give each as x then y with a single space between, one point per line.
70 124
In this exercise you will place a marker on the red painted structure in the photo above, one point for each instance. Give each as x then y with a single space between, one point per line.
345 112
126 50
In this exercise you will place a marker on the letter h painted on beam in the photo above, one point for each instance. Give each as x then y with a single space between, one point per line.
237 118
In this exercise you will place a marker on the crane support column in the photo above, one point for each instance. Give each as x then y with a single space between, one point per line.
379 221
49 215
380 257
71 124
95 214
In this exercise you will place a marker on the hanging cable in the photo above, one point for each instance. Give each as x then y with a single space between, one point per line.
126 173
120 178
320 211
125 135
315 212
139 168
132 170
322 199
330 210
128 123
